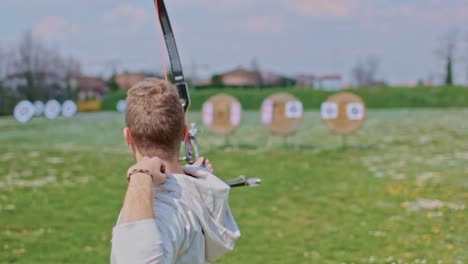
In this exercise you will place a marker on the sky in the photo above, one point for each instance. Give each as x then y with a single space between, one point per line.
284 36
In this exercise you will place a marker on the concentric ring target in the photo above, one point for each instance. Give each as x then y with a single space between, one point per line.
24 111
38 108
52 109
121 106
68 108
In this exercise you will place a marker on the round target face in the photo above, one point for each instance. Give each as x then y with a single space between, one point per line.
207 113
293 109
343 113
38 108
235 113
355 111
329 110
282 113
121 106
24 111
68 108
221 114
267 112
52 109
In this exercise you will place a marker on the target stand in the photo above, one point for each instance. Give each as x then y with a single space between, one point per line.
282 115
221 115
343 113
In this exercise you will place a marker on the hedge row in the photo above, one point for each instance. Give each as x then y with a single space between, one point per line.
384 97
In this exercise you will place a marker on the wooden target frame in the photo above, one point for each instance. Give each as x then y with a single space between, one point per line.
282 114
343 113
221 114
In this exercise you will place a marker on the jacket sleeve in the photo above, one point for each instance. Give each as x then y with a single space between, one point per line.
139 242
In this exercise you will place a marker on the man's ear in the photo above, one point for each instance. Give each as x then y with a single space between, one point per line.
127 136
185 133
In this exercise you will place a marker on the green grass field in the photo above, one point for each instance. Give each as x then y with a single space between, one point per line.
373 97
397 194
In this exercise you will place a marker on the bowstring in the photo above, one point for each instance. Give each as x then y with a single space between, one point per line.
161 42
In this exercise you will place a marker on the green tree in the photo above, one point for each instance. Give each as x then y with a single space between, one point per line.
112 83
449 72
217 80
447 53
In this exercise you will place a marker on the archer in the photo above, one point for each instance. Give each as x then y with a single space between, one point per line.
170 214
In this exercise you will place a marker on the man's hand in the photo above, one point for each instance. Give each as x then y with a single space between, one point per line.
153 165
204 163
138 202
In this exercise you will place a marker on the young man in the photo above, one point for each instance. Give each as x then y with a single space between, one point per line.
170 214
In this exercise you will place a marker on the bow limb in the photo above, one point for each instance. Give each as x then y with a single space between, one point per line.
178 79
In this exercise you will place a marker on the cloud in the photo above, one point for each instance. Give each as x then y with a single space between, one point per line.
54 28
266 24
235 4
262 24
322 8
127 17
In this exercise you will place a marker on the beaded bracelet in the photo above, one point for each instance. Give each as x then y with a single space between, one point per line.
147 172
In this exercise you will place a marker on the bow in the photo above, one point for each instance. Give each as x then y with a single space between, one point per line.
178 79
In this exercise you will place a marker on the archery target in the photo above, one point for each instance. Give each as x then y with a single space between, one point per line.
52 109
293 109
343 113
68 108
24 111
355 111
267 112
329 110
207 113
221 113
282 113
38 108
235 113
121 106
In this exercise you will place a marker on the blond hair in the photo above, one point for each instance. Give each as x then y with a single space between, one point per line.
155 118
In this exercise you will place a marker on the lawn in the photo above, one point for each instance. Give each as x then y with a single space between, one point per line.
397 193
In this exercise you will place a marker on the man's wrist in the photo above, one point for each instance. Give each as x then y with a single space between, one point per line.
144 171
140 177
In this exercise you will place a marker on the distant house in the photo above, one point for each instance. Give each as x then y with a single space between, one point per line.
329 82
126 80
48 83
200 82
305 80
241 77
324 82
13 81
271 79
91 88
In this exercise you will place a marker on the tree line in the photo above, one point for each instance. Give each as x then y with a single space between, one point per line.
34 71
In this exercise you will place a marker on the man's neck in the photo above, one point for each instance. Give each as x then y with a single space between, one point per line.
170 165
173 167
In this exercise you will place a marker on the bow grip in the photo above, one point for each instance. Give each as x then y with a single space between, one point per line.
184 95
